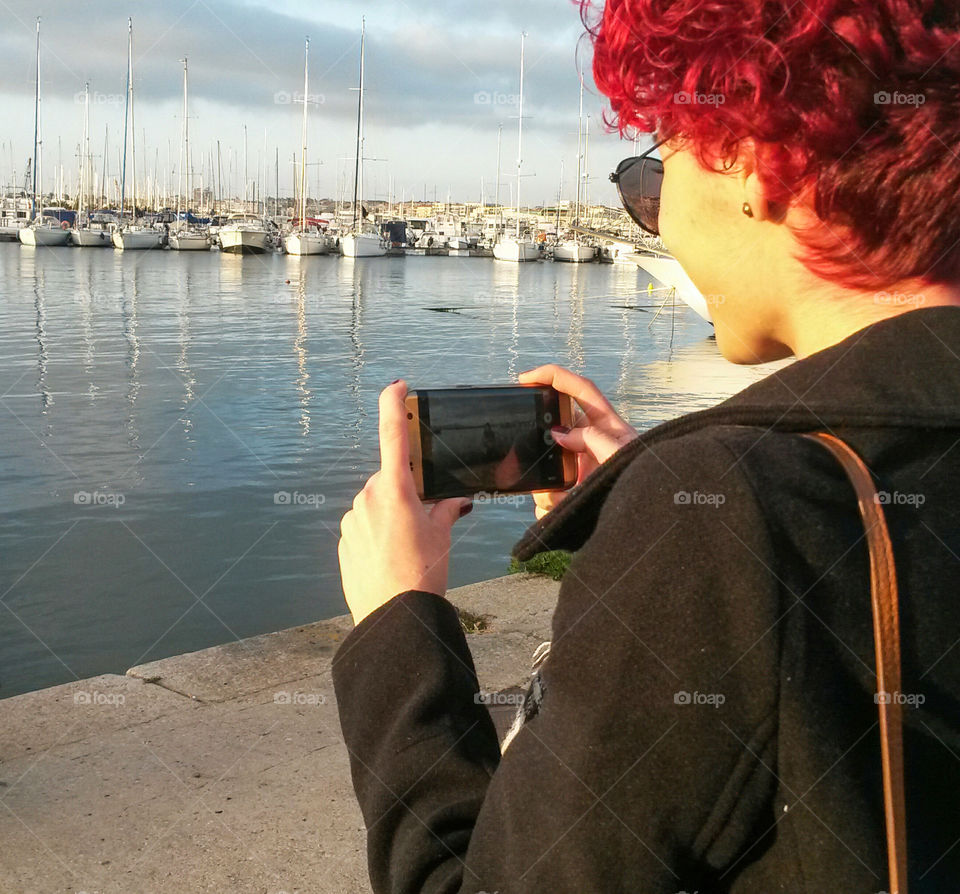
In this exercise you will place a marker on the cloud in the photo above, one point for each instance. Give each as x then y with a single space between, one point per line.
443 66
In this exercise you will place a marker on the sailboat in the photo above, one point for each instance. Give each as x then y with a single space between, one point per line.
361 243
574 249
516 247
41 231
90 231
186 237
666 268
303 241
132 235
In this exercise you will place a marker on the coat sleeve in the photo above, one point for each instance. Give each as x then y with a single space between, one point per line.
651 765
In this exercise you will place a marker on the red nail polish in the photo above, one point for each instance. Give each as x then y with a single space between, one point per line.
466 509
560 430
394 382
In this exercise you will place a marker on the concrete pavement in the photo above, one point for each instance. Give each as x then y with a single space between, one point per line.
221 770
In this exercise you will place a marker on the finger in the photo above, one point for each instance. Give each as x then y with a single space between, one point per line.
448 512
394 443
539 375
580 388
544 503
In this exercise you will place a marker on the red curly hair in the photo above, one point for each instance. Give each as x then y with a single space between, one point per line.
854 106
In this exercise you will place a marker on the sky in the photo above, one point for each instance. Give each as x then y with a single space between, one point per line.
441 77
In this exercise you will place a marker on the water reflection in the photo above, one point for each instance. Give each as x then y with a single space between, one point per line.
43 359
130 298
230 270
300 352
84 295
506 291
575 358
182 362
352 271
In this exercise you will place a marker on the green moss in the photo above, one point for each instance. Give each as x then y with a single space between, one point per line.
553 564
473 623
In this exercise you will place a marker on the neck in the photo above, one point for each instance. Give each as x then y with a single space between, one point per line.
818 321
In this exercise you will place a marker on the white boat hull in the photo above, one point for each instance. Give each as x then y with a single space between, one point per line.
516 250
362 245
668 271
85 238
137 240
189 242
306 244
244 242
458 243
43 236
575 252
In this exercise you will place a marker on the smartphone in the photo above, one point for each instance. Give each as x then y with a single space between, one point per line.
491 439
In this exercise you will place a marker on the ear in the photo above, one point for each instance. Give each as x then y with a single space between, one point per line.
754 192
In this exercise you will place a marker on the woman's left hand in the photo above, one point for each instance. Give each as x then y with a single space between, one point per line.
390 542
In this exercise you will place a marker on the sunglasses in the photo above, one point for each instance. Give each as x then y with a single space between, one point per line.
639 179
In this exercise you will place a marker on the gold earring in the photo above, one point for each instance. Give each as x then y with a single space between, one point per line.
747 209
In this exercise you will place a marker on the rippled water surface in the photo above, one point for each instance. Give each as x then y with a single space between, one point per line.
154 404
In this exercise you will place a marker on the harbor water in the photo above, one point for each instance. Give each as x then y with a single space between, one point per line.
182 432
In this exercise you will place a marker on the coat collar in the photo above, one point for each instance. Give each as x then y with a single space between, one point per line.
902 372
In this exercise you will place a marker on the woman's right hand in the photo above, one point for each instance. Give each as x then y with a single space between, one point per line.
597 434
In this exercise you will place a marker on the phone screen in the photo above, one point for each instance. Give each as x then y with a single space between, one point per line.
494 439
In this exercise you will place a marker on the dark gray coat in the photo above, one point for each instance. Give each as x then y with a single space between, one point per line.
708 722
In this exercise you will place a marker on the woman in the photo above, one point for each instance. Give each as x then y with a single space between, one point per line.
708 720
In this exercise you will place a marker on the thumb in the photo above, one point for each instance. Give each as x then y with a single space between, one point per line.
448 512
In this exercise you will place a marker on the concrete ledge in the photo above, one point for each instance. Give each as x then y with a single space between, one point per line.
194 773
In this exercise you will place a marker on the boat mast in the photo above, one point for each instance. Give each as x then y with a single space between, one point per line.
579 151
499 144
182 144
126 118
103 176
586 159
133 130
559 197
358 168
186 138
85 160
36 129
303 155
523 37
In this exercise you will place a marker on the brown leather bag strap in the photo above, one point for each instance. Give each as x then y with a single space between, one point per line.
886 635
